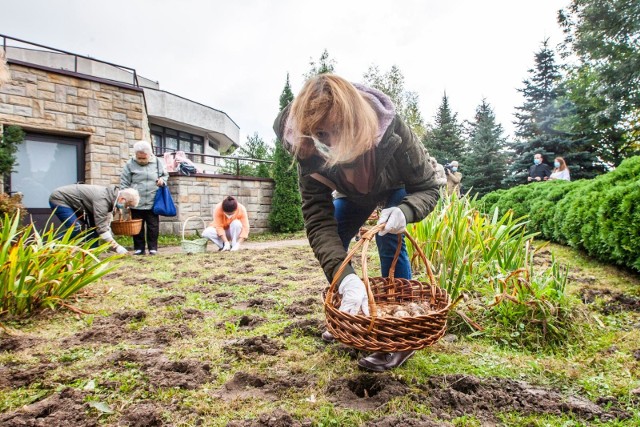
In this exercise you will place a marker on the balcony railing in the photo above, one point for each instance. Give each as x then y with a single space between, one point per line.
226 165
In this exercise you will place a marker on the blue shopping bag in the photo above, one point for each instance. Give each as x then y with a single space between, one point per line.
163 203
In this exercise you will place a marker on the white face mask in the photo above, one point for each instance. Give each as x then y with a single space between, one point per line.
323 149
229 216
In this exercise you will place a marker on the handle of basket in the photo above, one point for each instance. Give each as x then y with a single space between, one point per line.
184 225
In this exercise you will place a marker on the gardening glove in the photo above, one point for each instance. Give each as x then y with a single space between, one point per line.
354 295
396 222
107 236
227 246
121 250
235 247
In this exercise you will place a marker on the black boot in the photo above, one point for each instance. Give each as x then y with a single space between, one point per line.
380 362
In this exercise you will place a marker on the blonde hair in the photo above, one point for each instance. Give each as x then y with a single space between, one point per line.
5 74
131 196
329 99
563 165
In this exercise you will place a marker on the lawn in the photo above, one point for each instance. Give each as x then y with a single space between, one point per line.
233 338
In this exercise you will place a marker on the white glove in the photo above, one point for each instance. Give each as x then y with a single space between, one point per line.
121 250
235 247
396 222
354 295
107 236
227 246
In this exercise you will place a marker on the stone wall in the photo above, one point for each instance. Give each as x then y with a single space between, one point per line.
109 117
197 196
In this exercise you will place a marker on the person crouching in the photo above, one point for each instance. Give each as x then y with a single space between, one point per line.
230 225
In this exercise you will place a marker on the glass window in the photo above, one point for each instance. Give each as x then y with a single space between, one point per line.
171 144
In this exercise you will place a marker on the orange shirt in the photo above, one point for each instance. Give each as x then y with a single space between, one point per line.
221 222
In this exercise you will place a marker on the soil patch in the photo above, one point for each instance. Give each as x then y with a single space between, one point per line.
188 314
277 418
306 327
458 395
16 343
11 377
300 308
261 303
407 420
160 335
64 409
161 372
259 345
365 392
167 300
145 414
155 283
201 289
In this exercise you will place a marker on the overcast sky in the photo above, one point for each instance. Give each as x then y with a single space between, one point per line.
234 55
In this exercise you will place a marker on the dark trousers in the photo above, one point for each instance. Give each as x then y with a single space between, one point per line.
150 229
351 217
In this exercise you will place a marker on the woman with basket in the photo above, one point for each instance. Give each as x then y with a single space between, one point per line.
348 138
92 205
145 172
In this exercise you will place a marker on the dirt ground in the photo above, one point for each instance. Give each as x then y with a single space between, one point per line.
126 348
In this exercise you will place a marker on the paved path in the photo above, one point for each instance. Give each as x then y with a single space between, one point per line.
211 247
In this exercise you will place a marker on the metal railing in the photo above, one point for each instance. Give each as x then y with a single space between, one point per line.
218 161
74 55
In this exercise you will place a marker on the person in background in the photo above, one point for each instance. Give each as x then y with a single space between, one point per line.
92 205
230 225
453 178
539 171
347 137
560 171
144 172
441 176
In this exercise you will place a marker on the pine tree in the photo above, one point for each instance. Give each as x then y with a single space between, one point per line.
286 213
324 65
484 166
540 128
444 140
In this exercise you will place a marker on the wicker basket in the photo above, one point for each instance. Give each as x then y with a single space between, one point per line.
126 227
193 246
388 334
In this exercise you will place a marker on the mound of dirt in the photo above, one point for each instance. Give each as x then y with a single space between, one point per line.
306 327
365 392
168 300
458 395
64 409
300 308
259 345
277 418
145 414
12 377
17 343
407 420
164 373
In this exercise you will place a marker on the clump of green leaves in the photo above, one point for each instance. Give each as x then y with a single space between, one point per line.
489 260
44 269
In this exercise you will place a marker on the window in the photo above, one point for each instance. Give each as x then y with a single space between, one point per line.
166 139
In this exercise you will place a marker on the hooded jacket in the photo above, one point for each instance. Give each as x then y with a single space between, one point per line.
95 200
143 178
401 161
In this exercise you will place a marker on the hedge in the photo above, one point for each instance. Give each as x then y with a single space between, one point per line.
600 216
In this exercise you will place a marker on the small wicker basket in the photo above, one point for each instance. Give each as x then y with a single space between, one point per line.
389 333
126 227
196 245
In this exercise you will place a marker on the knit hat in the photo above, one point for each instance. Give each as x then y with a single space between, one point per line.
229 204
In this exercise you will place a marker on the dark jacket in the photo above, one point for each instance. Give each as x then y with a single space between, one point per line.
401 161
95 200
542 171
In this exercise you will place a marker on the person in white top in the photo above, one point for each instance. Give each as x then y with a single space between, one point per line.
560 171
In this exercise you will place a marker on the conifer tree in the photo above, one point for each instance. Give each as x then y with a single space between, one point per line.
444 140
286 213
484 166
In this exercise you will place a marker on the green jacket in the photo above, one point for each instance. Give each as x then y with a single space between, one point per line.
95 200
143 179
401 161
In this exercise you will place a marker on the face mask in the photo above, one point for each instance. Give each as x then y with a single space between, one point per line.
556 164
455 169
119 205
229 216
142 162
536 161
323 149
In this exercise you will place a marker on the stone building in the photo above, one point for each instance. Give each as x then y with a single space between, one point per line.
82 116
